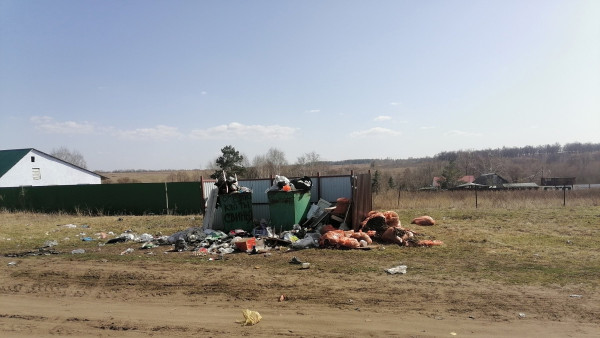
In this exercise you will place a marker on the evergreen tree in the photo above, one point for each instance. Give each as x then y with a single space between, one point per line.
391 184
375 184
451 174
230 162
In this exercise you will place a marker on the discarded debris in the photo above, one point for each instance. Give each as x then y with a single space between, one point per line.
49 244
78 251
250 317
12 263
295 260
127 251
400 269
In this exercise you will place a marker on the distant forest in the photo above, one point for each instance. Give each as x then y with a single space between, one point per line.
516 164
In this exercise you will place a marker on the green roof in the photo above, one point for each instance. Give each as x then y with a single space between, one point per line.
8 158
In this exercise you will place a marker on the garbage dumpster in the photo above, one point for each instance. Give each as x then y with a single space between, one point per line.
236 211
287 208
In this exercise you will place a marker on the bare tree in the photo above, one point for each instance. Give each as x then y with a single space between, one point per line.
276 159
178 176
269 164
308 164
72 156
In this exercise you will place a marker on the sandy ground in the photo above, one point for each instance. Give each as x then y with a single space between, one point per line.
58 296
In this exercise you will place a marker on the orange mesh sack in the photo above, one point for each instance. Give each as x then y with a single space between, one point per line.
423 220
391 218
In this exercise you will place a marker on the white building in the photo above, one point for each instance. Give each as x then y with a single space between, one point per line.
31 167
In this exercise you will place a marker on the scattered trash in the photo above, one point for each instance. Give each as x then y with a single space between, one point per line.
522 315
12 263
453 333
127 251
282 298
250 317
400 269
305 265
575 296
295 260
87 239
78 251
149 245
49 244
245 244
70 226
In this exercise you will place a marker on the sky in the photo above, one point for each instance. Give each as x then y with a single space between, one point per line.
147 84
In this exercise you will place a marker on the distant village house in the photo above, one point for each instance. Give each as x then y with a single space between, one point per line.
31 167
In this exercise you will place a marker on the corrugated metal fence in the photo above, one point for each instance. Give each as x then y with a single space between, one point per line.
329 188
130 198
176 197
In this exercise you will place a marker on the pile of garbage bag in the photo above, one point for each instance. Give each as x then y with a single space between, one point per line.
282 183
378 227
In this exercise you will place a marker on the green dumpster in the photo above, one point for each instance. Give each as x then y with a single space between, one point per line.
287 208
237 211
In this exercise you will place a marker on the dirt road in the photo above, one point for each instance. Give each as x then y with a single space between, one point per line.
60 295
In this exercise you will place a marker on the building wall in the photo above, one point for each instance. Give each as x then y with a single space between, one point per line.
46 170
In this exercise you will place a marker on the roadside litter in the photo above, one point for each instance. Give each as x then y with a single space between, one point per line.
400 269
250 317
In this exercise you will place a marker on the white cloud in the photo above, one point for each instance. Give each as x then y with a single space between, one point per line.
203 92
314 111
456 132
49 125
375 132
160 132
427 127
241 131
382 118
394 103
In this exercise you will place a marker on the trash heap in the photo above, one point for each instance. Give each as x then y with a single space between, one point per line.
282 183
229 185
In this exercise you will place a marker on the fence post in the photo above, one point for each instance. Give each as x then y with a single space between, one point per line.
564 196
475 198
167 198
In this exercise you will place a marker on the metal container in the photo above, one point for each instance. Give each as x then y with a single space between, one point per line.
287 208
237 211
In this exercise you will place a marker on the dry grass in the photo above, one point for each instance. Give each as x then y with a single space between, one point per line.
486 199
513 237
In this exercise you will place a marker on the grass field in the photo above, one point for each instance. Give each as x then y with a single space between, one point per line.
511 237
520 264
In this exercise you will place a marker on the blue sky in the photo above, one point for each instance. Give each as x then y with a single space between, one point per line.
166 84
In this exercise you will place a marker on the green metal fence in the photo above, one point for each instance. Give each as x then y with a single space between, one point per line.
131 198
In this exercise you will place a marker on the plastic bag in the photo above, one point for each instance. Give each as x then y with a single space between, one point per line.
401 269
251 317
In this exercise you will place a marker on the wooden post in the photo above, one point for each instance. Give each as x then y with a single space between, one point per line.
476 198
564 196
318 186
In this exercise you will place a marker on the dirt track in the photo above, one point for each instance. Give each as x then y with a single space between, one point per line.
54 295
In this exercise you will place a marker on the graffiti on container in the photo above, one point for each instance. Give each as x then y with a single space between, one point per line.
239 210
